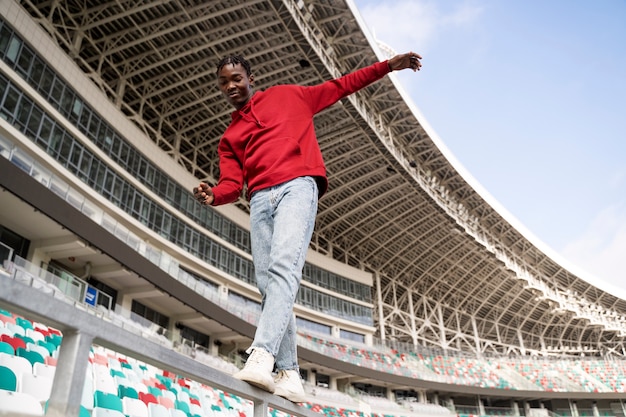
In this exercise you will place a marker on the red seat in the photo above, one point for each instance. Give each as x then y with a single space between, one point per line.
16 342
147 398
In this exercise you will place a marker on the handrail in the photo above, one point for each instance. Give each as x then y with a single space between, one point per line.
81 329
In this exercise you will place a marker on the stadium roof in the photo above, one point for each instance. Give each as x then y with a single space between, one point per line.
450 270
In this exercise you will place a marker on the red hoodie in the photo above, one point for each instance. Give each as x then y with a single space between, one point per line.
272 139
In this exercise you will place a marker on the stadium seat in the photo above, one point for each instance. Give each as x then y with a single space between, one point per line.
8 379
155 391
50 347
126 391
5 331
18 402
168 393
42 369
39 387
195 409
16 342
17 329
107 400
38 348
24 323
134 407
87 399
166 402
35 335
55 339
18 364
177 413
6 348
147 398
106 412
181 405
30 355
157 410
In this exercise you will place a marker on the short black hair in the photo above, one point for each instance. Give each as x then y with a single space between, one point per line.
234 60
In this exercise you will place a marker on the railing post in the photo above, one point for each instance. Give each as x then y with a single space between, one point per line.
69 378
260 408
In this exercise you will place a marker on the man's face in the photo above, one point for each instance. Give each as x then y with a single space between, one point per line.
235 84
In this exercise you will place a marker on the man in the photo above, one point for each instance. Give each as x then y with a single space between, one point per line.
270 145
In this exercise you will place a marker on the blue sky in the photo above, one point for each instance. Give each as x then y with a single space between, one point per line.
530 98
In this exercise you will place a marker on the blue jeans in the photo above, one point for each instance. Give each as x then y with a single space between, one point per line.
281 224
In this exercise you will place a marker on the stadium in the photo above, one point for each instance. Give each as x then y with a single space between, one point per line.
120 295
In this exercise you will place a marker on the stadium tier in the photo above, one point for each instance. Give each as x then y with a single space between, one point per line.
121 296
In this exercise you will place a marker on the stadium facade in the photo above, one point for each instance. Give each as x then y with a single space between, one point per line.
110 114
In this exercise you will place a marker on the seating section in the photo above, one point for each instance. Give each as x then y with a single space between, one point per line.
28 354
116 385
522 373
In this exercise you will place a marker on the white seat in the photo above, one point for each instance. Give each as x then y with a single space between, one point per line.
42 369
17 364
134 407
38 348
183 396
105 383
87 397
35 335
19 402
38 386
105 412
174 412
16 329
169 394
157 410
195 409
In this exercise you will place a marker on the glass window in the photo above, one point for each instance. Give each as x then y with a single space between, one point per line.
5 39
9 106
36 71
24 61
23 112
34 122
56 92
13 49
46 83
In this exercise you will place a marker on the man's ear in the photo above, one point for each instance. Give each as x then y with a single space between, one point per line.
251 80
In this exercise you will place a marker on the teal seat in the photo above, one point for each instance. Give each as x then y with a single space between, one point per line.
26 324
84 412
117 372
31 355
6 348
154 391
8 379
50 347
55 339
182 406
126 391
107 400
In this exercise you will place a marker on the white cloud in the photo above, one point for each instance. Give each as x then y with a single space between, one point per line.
414 25
601 250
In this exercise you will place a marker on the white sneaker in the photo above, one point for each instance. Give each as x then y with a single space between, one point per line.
289 386
258 369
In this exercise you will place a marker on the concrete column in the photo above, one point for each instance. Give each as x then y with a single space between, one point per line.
69 378
515 407
332 383
481 407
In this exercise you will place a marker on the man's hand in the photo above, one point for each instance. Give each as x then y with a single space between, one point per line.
203 194
409 60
